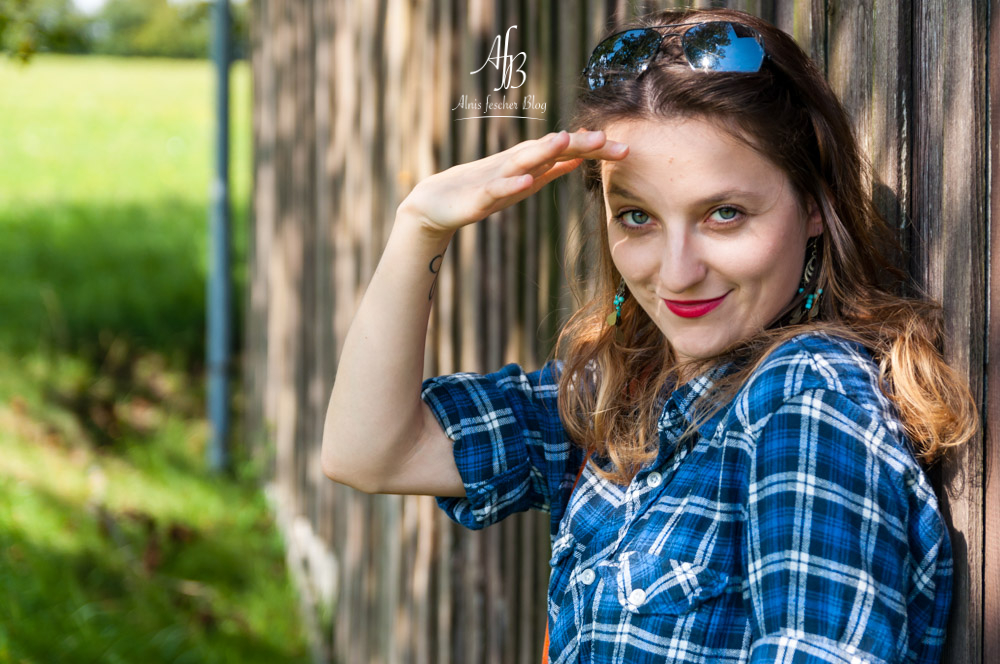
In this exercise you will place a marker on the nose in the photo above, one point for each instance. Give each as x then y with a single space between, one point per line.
682 263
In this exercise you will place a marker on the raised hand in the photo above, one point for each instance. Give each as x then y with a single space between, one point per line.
467 193
379 436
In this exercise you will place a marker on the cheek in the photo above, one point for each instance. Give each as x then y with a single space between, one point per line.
774 262
758 263
635 260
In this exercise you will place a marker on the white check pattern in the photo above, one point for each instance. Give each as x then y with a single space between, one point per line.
797 528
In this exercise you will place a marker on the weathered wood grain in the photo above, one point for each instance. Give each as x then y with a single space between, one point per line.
991 534
949 188
352 107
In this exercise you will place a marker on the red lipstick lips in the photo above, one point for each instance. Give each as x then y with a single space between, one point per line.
693 308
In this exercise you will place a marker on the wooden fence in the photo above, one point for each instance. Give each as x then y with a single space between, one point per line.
354 102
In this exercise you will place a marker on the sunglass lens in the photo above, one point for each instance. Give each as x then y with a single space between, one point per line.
626 54
721 46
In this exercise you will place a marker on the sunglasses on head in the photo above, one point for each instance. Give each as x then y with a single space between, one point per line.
711 46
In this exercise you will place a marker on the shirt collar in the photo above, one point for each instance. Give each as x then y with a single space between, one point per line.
679 408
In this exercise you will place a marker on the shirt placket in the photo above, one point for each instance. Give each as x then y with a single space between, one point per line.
643 491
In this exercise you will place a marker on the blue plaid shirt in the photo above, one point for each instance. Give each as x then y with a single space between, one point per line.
798 527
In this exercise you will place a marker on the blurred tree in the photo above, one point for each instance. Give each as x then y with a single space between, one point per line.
152 27
162 28
122 27
29 26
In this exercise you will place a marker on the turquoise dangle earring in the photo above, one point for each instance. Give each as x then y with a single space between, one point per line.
809 309
616 317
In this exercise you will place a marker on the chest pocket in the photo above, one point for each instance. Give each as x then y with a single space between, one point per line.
649 583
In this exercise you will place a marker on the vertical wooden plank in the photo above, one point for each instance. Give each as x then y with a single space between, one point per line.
849 48
566 236
345 262
356 620
445 147
471 599
466 239
490 232
949 217
403 633
510 227
889 133
307 390
521 568
420 79
869 69
536 24
805 20
761 8
323 364
784 16
423 645
263 214
991 536
446 592
394 129
285 268
448 24
325 559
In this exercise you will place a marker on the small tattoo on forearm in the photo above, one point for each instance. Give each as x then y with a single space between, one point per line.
435 267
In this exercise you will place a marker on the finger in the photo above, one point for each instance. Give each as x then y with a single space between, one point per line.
535 153
558 170
614 152
551 174
609 151
594 145
505 187
590 145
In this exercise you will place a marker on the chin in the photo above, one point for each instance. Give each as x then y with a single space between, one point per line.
699 347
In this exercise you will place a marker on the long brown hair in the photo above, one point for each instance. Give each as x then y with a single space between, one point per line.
613 377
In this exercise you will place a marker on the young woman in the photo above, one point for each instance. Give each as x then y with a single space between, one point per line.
747 396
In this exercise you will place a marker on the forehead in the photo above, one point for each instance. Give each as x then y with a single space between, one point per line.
686 157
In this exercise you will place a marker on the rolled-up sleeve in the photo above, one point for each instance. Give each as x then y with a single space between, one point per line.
509 443
833 538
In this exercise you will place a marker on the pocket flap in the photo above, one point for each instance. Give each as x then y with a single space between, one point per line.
649 583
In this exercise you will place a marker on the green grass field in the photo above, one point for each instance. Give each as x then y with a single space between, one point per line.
115 544
104 181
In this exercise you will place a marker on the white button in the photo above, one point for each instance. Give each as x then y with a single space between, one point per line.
587 576
654 479
637 596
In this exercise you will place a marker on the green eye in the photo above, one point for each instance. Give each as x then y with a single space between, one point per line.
639 217
726 214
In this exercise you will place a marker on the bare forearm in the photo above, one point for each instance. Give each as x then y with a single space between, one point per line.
378 434
374 409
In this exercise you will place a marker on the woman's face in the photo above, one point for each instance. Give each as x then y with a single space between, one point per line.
708 234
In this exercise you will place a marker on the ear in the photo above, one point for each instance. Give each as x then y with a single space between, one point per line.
814 220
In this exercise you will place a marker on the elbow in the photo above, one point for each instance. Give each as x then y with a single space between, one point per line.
337 469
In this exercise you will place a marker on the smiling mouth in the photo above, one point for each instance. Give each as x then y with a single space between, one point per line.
693 308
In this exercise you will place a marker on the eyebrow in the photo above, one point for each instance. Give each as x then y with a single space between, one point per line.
718 197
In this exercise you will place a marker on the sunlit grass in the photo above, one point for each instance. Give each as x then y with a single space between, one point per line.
116 545
104 182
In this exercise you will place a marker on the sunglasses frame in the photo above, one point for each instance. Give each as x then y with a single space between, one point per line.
591 71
